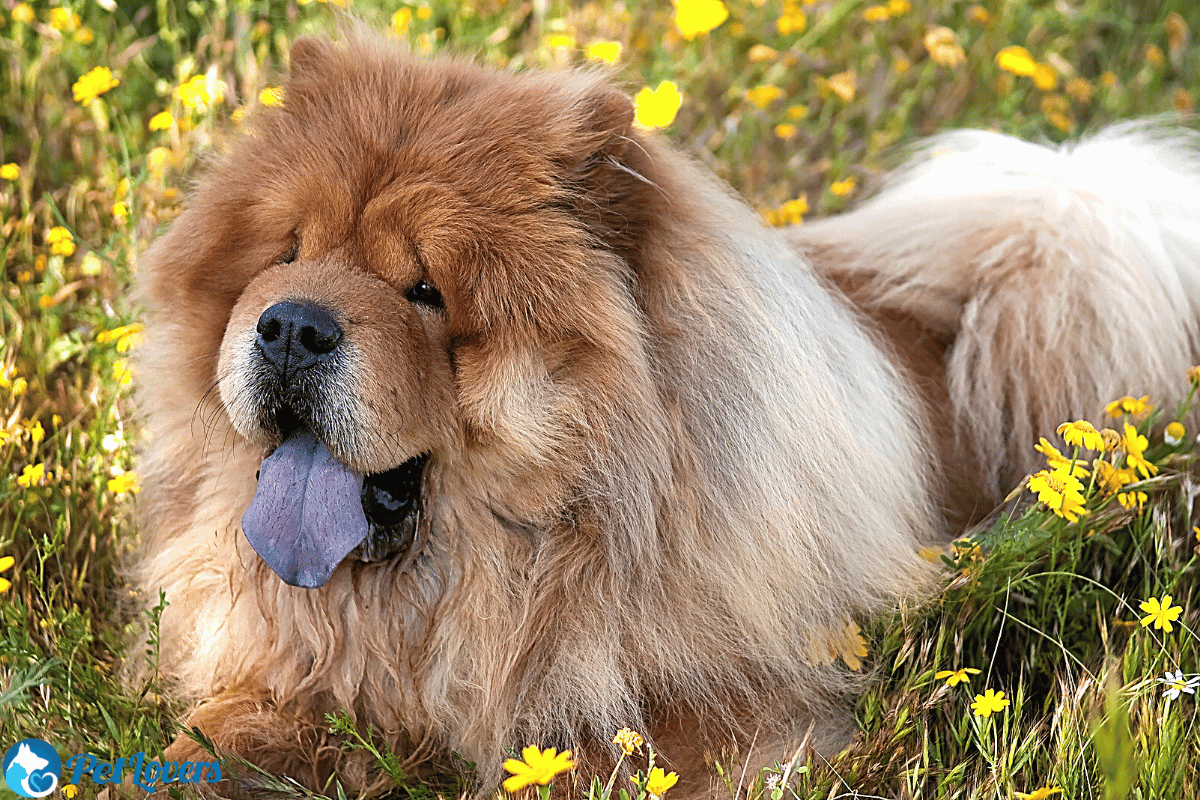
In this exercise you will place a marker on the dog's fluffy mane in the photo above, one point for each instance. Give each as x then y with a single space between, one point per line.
683 467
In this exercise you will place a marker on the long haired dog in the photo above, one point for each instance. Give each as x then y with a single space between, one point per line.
482 415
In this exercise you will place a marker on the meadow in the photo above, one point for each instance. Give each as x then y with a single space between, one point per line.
1061 656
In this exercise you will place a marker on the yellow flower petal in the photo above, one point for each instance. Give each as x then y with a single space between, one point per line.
95 83
696 17
1016 59
656 108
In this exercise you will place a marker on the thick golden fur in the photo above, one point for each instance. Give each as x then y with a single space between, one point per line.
667 465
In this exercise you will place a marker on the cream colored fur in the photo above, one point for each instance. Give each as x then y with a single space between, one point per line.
1066 276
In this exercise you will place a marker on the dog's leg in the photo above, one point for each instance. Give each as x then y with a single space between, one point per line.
249 726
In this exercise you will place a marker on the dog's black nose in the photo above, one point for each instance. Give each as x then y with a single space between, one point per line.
294 336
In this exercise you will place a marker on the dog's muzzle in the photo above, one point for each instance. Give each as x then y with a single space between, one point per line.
310 512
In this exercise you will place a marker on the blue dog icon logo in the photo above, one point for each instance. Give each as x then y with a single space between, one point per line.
32 768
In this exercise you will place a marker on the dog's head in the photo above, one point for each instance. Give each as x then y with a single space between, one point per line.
414 264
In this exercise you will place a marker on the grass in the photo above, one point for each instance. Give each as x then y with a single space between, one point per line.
1047 611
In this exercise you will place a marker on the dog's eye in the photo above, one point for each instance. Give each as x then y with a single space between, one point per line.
426 295
290 254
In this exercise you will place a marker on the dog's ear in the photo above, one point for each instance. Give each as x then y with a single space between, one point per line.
606 178
606 119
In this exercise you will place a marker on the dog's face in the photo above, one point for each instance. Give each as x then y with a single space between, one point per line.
425 274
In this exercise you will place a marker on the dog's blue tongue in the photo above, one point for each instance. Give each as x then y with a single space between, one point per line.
307 512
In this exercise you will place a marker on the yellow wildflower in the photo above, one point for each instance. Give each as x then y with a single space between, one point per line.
1160 614
198 92
844 187
792 20
91 265
1135 446
628 741
792 212
1110 479
401 20
1059 490
31 475
424 13
657 782
1044 77
696 17
1081 433
60 240
1132 500
953 677
656 108
538 767
1128 405
876 13
763 96
69 791
898 7
843 84
23 13
127 337
989 703
121 372
10 172
797 112
271 96
1177 31
943 47
761 52
157 160
1038 794
123 483
36 431
85 36
1174 433
1193 375
1016 59
1056 460
1080 89
6 563
560 41
608 52
64 20
1154 55
162 121
95 83
19 385
785 130
979 15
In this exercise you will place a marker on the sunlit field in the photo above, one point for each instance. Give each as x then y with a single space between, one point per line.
1061 657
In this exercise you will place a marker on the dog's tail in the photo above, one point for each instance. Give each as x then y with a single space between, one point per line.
1055 279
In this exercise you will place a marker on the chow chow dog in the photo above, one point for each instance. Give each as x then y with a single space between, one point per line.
484 416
